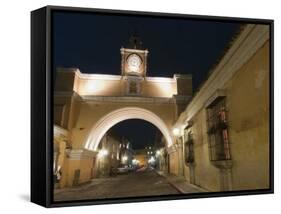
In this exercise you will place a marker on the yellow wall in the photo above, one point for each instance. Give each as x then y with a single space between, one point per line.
247 103
206 174
173 163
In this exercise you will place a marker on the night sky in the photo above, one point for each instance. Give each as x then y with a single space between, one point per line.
92 43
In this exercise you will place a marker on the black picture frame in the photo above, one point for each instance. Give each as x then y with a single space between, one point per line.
42 101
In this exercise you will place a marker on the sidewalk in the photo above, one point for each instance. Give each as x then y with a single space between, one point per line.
180 183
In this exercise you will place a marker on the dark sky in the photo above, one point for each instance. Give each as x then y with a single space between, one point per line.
139 132
92 42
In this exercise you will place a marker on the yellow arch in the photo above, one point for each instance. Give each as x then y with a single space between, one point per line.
114 117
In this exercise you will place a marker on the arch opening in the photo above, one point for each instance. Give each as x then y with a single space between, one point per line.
114 117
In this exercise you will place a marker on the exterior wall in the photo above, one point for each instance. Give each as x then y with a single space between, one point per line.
206 175
248 104
78 168
173 163
59 160
184 84
85 168
107 165
245 87
159 87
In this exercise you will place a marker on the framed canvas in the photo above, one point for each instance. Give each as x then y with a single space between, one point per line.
141 106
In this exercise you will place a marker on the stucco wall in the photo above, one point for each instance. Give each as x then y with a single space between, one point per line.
206 174
173 163
247 103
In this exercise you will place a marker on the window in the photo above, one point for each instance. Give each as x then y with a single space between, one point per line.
188 149
218 130
133 88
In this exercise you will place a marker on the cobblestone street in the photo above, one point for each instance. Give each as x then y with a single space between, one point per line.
145 183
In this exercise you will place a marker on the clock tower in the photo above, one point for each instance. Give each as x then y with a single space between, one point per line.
134 58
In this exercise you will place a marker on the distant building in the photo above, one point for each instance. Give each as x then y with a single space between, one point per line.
140 156
108 158
161 158
144 156
126 153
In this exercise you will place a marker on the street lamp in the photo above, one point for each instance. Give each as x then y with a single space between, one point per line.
135 162
102 153
124 159
151 160
176 131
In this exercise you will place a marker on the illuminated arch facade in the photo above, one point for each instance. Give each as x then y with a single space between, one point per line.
88 105
109 120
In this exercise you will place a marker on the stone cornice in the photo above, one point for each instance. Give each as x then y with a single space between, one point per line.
245 46
80 154
98 76
215 95
180 99
130 99
160 79
182 76
68 95
130 50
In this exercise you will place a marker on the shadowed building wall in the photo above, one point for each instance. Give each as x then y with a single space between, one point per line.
230 146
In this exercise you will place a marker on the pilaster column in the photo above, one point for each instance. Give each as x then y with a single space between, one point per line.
180 156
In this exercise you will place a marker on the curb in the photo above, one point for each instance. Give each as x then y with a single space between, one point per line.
171 183
178 188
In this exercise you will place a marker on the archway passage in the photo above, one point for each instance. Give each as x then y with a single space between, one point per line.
114 117
134 146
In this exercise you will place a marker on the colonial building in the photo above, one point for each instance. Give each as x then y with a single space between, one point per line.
108 158
144 156
86 106
126 154
141 156
223 134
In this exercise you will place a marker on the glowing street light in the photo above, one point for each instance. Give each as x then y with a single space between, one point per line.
124 158
151 160
176 131
135 162
158 152
102 153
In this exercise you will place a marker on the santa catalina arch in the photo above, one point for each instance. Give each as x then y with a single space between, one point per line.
86 106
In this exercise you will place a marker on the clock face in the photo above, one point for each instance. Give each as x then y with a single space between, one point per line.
134 63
